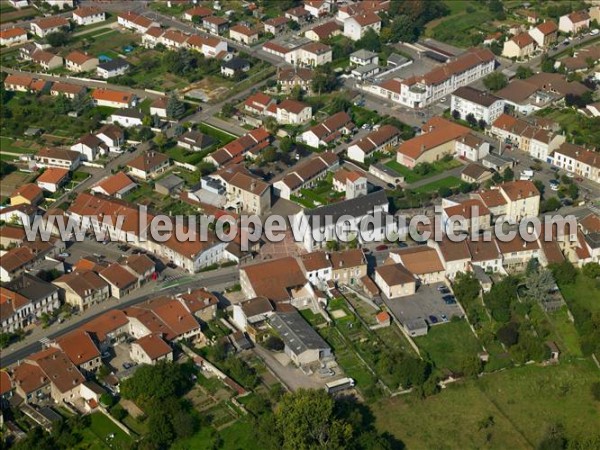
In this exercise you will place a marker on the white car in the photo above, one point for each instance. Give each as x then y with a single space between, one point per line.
570 174
554 186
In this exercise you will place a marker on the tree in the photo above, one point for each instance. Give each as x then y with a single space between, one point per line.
591 270
595 388
482 124
524 72
285 144
538 284
508 174
274 343
471 119
228 110
161 141
175 108
296 93
58 38
564 273
118 412
324 80
270 124
508 334
444 192
548 64
369 41
306 420
455 114
466 287
550 204
539 184
495 81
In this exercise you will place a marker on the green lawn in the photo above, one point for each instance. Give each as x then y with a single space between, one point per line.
101 427
523 402
239 435
410 176
580 130
583 292
449 182
11 146
448 345
459 27
223 136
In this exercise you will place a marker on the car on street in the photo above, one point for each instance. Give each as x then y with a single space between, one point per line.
433 319
449 299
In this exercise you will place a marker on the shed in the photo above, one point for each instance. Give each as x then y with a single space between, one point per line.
168 184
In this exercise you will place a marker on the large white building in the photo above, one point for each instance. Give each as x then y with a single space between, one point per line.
421 91
576 159
483 105
355 27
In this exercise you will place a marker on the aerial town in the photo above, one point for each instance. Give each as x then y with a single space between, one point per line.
126 124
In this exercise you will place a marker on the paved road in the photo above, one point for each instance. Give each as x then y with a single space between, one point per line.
211 280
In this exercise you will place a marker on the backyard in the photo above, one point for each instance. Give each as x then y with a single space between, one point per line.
410 176
98 434
580 129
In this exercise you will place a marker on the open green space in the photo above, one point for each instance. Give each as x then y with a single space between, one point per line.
102 428
448 182
579 129
237 436
8 145
449 345
584 293
522 402
410 176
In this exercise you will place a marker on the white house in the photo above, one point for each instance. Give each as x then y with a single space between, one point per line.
471 147
112 136
481 104
383 139
88 15
244 34
90 146
575 22
578 160
328 131
292 112
311 54
520 46
364 57
112 68
127 117
44 27
544 34
13 36
356 26
394 281
136 22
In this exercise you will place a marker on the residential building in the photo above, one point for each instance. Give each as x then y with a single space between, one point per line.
395 281
481 104
312 54
120 280
421 91
135 22
201 303
81 350
234 66
386 174
112 68
276 25
215 25
258 103
471 147
56 157
578 160
116 185
27 194
455 256
521 46
77 61
248 194
251 315
306 175
159 107
290 78
47 60
244 34
149 165
381 140
353 183
422 261
475 173
47 25
151 349
209 46
545 34
438 139
112 136
169 185
328 131
114 99
326 229
13 36
18 83
324 31
15 262
514 199
575 22
298 15
82 289
69 90
348 266
198 12
88 15
23 214
127 118
355 27
362 7
173 39
52 179
90 147
273 279
302 343
195 141
24 300
317 268
292 112
517 253
250 145
364 58
318 8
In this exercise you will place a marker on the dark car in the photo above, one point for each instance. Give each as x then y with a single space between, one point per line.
172 265
381 248
444 290
433 319
449 299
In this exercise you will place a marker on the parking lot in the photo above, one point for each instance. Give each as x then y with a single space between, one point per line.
425 304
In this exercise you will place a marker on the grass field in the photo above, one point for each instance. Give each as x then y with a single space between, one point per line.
584 292
449 182
237 436
449 345
96 436
410 176
8 145
515 399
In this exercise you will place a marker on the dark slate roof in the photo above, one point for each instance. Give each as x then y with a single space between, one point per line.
129 112
236 64
356 207
32 287
296 333
113 64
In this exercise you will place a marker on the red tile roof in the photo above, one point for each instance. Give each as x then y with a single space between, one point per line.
78 346
53 175
115 183
154 346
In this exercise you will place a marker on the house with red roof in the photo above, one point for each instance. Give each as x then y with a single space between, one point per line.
356 26
13 36
52 179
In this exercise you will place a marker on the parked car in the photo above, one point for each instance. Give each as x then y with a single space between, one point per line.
433 319
381 248
64 255
444 317
127 365
570 175
449 299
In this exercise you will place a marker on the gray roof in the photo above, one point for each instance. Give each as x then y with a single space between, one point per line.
170 182
235 64
497 160
296 332
113 64
365 69
385 169
396 59
481 276
32 287
363 54
417 324
356 207
196 138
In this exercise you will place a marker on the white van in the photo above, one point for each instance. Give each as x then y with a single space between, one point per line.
526 175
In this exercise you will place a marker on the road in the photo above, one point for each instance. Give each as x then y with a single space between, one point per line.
212 281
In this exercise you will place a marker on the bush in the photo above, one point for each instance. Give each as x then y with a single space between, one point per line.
275 344
591 270
118 412
107 400
508 334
